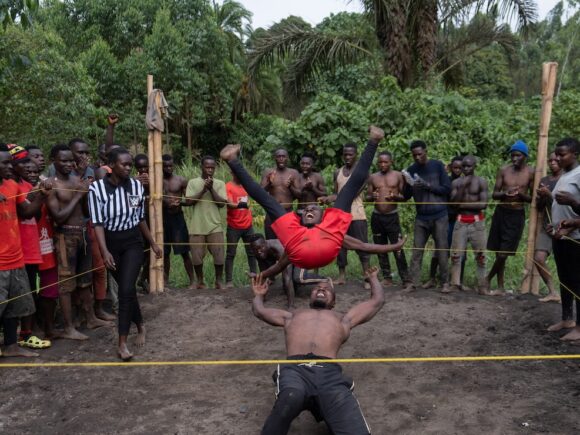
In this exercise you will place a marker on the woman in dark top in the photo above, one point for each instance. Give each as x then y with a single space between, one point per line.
116 205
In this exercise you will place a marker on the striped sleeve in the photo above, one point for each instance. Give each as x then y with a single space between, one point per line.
96 203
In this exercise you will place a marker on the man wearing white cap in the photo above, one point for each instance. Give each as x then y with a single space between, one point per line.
513 188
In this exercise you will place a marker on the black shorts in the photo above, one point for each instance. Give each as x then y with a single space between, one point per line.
507 226
175 231
327 394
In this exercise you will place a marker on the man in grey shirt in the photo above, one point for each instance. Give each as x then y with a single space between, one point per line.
567 241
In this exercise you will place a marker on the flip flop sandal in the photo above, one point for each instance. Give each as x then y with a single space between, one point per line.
33 342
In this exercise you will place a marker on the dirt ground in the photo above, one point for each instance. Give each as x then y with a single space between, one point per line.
432 398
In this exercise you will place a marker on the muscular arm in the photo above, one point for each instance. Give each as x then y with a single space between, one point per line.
31 207
265 182
277 268
318 186
527 195
370 196
455 188
372 248
498 194
271 316
365 311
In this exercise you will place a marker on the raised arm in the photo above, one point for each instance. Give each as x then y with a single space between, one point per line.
272 316
112 120
365 311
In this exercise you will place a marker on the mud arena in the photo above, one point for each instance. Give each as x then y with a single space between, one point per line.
404 398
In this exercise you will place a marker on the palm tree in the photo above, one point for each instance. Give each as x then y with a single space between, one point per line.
233 19
410 35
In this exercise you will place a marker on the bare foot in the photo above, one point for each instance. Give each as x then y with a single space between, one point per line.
387 282
219 285
229 152
465 288
341 279
229 284
498 292
446 289
573 335
200 286
16 351
552 297
409 289
53 335
73 334
103 315
484 291
429 284
140 339
564 324
98 323
123 352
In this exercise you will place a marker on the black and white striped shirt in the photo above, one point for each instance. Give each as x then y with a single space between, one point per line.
117 208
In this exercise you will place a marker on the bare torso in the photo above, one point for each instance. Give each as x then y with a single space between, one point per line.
64 190
470 189
276 182
385 188
173 191
311 187
513 179
320 332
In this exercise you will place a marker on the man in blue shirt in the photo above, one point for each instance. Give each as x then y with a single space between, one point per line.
429 185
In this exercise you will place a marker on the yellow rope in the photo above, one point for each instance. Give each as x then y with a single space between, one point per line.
399 360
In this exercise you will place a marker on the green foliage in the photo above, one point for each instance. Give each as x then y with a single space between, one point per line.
49 99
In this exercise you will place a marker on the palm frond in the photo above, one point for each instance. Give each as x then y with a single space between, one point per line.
306 51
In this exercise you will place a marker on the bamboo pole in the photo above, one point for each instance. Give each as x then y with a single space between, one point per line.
549 73
156 278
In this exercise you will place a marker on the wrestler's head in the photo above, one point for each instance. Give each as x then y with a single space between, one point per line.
322 296
311 215
258 246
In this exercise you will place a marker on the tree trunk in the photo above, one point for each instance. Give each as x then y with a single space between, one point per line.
426 27
391 31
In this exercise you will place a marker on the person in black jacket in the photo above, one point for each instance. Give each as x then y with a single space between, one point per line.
429 185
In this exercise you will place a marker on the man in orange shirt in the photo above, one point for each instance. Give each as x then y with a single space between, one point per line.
239 219
15 297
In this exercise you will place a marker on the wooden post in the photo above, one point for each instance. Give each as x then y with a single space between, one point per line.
549 73
156 279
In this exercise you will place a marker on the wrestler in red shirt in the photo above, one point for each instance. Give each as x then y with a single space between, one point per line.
314 239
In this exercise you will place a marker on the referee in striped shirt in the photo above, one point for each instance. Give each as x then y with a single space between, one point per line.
116 205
